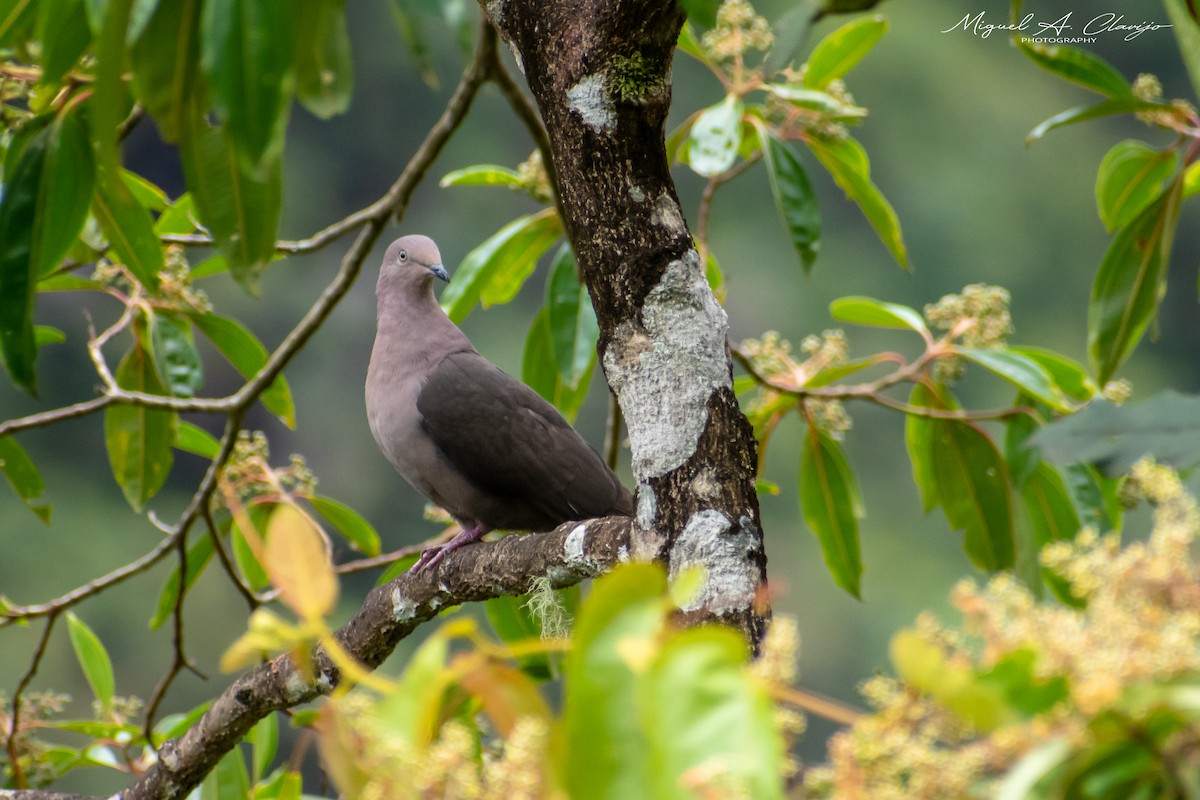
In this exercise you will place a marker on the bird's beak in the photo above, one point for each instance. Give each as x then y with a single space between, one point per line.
439 271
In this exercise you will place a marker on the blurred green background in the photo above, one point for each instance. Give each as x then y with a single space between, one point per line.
946 135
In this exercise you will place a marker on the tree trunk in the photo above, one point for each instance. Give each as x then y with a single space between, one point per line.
600 73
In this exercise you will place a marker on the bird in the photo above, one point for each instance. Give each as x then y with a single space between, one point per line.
482 445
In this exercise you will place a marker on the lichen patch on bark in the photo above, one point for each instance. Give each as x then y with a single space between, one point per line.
710 540
589 99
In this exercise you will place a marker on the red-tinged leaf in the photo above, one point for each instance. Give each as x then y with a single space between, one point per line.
1079 66
348 522
139 439
247 355
1130 177
298 562
494 270
93 659
842 49
973 486
848 164
505 694
164 64
1130 284
794 197
24 476
246 54
830 502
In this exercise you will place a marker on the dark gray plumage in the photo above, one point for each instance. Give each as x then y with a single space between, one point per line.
480 444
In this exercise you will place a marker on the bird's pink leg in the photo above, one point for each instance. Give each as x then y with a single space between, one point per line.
434 555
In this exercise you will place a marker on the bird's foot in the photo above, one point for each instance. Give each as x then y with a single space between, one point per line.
434 555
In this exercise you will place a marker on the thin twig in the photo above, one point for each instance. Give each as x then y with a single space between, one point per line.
612 433
706 200
14 722
387 559
179 659
239 583
525 112
44 418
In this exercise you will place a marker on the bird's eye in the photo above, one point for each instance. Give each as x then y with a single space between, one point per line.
403 255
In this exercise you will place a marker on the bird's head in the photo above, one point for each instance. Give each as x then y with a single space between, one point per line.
410 265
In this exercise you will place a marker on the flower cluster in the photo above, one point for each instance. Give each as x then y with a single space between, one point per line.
249 470
738 30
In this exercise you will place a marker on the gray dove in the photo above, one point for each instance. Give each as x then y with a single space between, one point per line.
473 440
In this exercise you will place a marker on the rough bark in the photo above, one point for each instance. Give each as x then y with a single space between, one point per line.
600 73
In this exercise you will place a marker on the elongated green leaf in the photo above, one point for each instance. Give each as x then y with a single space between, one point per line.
247 355
702 13
349 523
1125 105
1186 27
229 781
715 137
407 20
510 252
1051 510
539 372
973 486
174 350
1022 457
1019 370
164 64
179 217
481 175
830 502
66 282
512 621
1095 497
44 335
324 70
1165 426
110 99
918 439
1079 66
24 476
1069 376
1130 284
842 49
830 107
246 55
198 555
848 164
62 28
835 373
195 440
789 34
139 439
1131 176
794 197
247 563
149 196
877 313
93 659
65 192
16 18
1191 181
571 319
239 205
265 739
128 228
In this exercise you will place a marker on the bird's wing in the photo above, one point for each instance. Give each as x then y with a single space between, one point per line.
509 441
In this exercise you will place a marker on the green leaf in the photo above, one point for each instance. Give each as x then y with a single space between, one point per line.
1131 176
247 563
62 28
973 486
174 351
831 505
1125 105
1165 426
178 218
1095 497
715 137
164 64
324 69
24 476
1069 376
360 533
1130 284
110 96
405 16
481 175
539 372
16 18
246 55
239 206
842 49
149 196
703 13
512 621
1191 181
198 555
248 356
794 197
128 228
66 282
1019 370
789 33
497 267
1053 517
93 659
918 439
43 207
195 440
571 319
831 374
139 439
848 164
1022 457
265 740
876 313
229 781
1186 27
828 106
1034 767
44 335
1079 66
